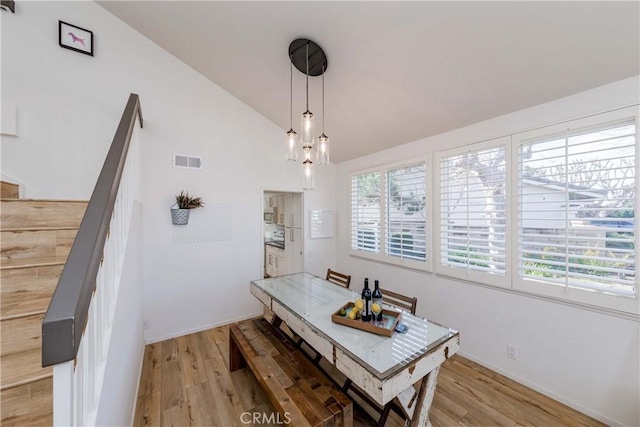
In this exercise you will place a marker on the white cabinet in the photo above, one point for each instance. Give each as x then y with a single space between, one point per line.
278 204
294 250
281 266
281 209
275 261
293 210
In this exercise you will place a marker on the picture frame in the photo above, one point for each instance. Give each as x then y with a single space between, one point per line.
75 38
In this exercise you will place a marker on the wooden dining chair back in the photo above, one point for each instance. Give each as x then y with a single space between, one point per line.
400 301
338 278
404 303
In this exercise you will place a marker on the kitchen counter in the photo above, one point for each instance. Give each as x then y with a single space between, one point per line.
275 243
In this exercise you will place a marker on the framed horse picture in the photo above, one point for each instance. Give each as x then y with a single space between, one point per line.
75 38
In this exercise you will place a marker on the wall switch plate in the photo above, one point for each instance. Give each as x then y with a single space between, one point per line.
512 352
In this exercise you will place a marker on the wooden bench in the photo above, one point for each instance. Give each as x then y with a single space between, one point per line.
297 389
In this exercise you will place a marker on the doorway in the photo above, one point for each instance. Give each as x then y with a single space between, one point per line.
283 237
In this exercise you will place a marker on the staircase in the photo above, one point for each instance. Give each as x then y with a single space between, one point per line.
35 239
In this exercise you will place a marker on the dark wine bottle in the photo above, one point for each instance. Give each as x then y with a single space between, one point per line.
376 298
366 298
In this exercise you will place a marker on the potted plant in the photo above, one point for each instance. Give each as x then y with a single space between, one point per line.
184 203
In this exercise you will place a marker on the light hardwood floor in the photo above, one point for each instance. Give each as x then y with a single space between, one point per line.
186 382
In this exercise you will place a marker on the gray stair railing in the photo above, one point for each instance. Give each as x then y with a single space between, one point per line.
76 329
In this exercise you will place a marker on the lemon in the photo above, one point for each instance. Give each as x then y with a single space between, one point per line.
359 304
352 315
375 307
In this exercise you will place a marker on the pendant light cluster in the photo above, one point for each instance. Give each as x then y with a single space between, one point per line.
311 60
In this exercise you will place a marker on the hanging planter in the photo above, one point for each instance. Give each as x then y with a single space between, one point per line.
183 205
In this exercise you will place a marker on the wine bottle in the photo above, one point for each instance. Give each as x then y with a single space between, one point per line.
366 298
376 298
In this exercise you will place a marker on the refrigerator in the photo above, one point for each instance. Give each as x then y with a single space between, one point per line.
294 237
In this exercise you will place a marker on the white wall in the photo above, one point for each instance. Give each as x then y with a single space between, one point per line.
69 106
586 359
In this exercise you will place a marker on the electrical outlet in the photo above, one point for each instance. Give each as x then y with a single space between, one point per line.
512 352
146 324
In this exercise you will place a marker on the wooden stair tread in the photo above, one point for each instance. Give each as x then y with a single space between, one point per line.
33 262
25 307
23 368
4 199
9 190
37 228
28 405
27 291
36 237
24 214
36 244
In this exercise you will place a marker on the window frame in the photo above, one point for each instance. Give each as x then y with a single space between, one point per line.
578 295
460 273
382 255
597 301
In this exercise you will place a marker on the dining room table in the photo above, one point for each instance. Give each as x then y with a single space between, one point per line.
402 368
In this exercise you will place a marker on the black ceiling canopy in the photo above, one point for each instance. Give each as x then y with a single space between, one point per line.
9 5
317 57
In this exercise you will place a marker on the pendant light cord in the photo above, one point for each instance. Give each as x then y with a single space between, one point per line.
291 92
307 76
323 99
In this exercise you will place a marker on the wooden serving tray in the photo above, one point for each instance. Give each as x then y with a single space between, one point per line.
389 317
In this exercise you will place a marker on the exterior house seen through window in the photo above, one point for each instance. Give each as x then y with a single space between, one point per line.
389 214
550 212
576 210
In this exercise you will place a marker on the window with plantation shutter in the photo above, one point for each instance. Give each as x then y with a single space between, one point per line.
390 215
405 223
576 201
472 212
365 212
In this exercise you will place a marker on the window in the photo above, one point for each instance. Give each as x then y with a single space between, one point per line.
365 212
564 226
472 212
389 215
405 219
576 211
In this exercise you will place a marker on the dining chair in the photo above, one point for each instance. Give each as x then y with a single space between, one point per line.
338 278
402 302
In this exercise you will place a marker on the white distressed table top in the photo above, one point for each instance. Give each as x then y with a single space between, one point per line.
313 300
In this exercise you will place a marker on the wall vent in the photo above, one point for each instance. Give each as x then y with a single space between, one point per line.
187 162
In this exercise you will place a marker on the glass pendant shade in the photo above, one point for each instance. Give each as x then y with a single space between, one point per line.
306 126
323 150
308 58
309 180
292 145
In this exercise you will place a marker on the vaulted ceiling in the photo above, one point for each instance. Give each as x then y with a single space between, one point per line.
398 71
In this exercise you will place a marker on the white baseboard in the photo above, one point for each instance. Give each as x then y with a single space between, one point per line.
200 328
543 390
